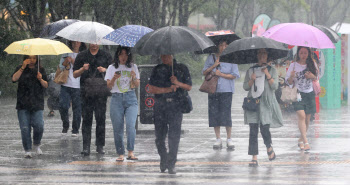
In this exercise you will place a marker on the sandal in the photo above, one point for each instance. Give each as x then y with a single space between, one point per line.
307 147
132 158
51 114
253 163
120 159
270 153
301 145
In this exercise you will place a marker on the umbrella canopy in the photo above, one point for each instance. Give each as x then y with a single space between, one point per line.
329 32
217 36
88 32
299 34
170 40
244 51
50 30
37 46
128 35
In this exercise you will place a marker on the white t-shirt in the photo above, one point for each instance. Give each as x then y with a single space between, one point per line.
71 81
304 85
122 84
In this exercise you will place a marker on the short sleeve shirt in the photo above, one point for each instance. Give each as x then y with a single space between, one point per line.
224 85
161 74
30 92
122 84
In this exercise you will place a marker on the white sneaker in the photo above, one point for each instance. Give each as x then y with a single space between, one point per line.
217 144
230 144
74 135
38 150
27 155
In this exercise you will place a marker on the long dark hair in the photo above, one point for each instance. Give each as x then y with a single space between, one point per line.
81 48
118 52
36 64
310 64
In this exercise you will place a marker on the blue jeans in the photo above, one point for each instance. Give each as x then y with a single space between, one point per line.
67 95
28 119
124 104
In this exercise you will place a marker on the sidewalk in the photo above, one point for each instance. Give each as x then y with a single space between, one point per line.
327 163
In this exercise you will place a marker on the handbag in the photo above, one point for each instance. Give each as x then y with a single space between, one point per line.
96 87
251 104
210 82
186 102
61 76
289 94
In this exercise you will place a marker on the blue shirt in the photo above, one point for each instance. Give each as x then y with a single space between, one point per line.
224 85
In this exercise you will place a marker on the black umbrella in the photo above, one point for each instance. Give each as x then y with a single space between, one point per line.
329 32
171 40
244 51
50 30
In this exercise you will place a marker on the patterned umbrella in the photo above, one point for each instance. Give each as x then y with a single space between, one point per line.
128 35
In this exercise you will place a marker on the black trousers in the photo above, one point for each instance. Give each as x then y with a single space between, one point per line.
97 105
167 120
253 137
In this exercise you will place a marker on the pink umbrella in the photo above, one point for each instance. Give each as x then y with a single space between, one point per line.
299 34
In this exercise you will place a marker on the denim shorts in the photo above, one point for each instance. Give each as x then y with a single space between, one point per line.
307 103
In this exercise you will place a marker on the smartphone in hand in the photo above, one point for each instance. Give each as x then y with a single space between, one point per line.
118 72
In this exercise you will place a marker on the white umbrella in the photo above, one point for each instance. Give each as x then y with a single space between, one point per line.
88 32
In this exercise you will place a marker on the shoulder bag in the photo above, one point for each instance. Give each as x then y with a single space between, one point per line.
289 94
250 103
61 76
96 87
210 82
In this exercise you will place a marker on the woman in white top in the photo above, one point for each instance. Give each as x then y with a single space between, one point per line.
70 91
120 76
301 73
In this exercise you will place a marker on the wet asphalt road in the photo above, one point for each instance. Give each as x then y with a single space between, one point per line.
327 163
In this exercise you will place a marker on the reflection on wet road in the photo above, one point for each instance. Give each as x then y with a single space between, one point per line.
327 163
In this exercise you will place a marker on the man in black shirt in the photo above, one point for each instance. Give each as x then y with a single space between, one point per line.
87 64
167 83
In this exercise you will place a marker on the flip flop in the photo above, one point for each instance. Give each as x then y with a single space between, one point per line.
120 159
132 158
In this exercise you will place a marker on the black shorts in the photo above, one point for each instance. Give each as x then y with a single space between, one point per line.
220 109
307 103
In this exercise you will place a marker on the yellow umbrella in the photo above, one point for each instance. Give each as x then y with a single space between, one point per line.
37 46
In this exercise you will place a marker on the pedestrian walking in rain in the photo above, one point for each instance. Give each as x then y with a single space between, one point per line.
219 103
70 91
30 102
122 77
92 63
301 73
261 81
167 81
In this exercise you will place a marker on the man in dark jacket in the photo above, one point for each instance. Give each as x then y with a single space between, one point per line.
90 63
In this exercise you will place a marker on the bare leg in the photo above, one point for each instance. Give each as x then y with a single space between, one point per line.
228 131
302 125
217 132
